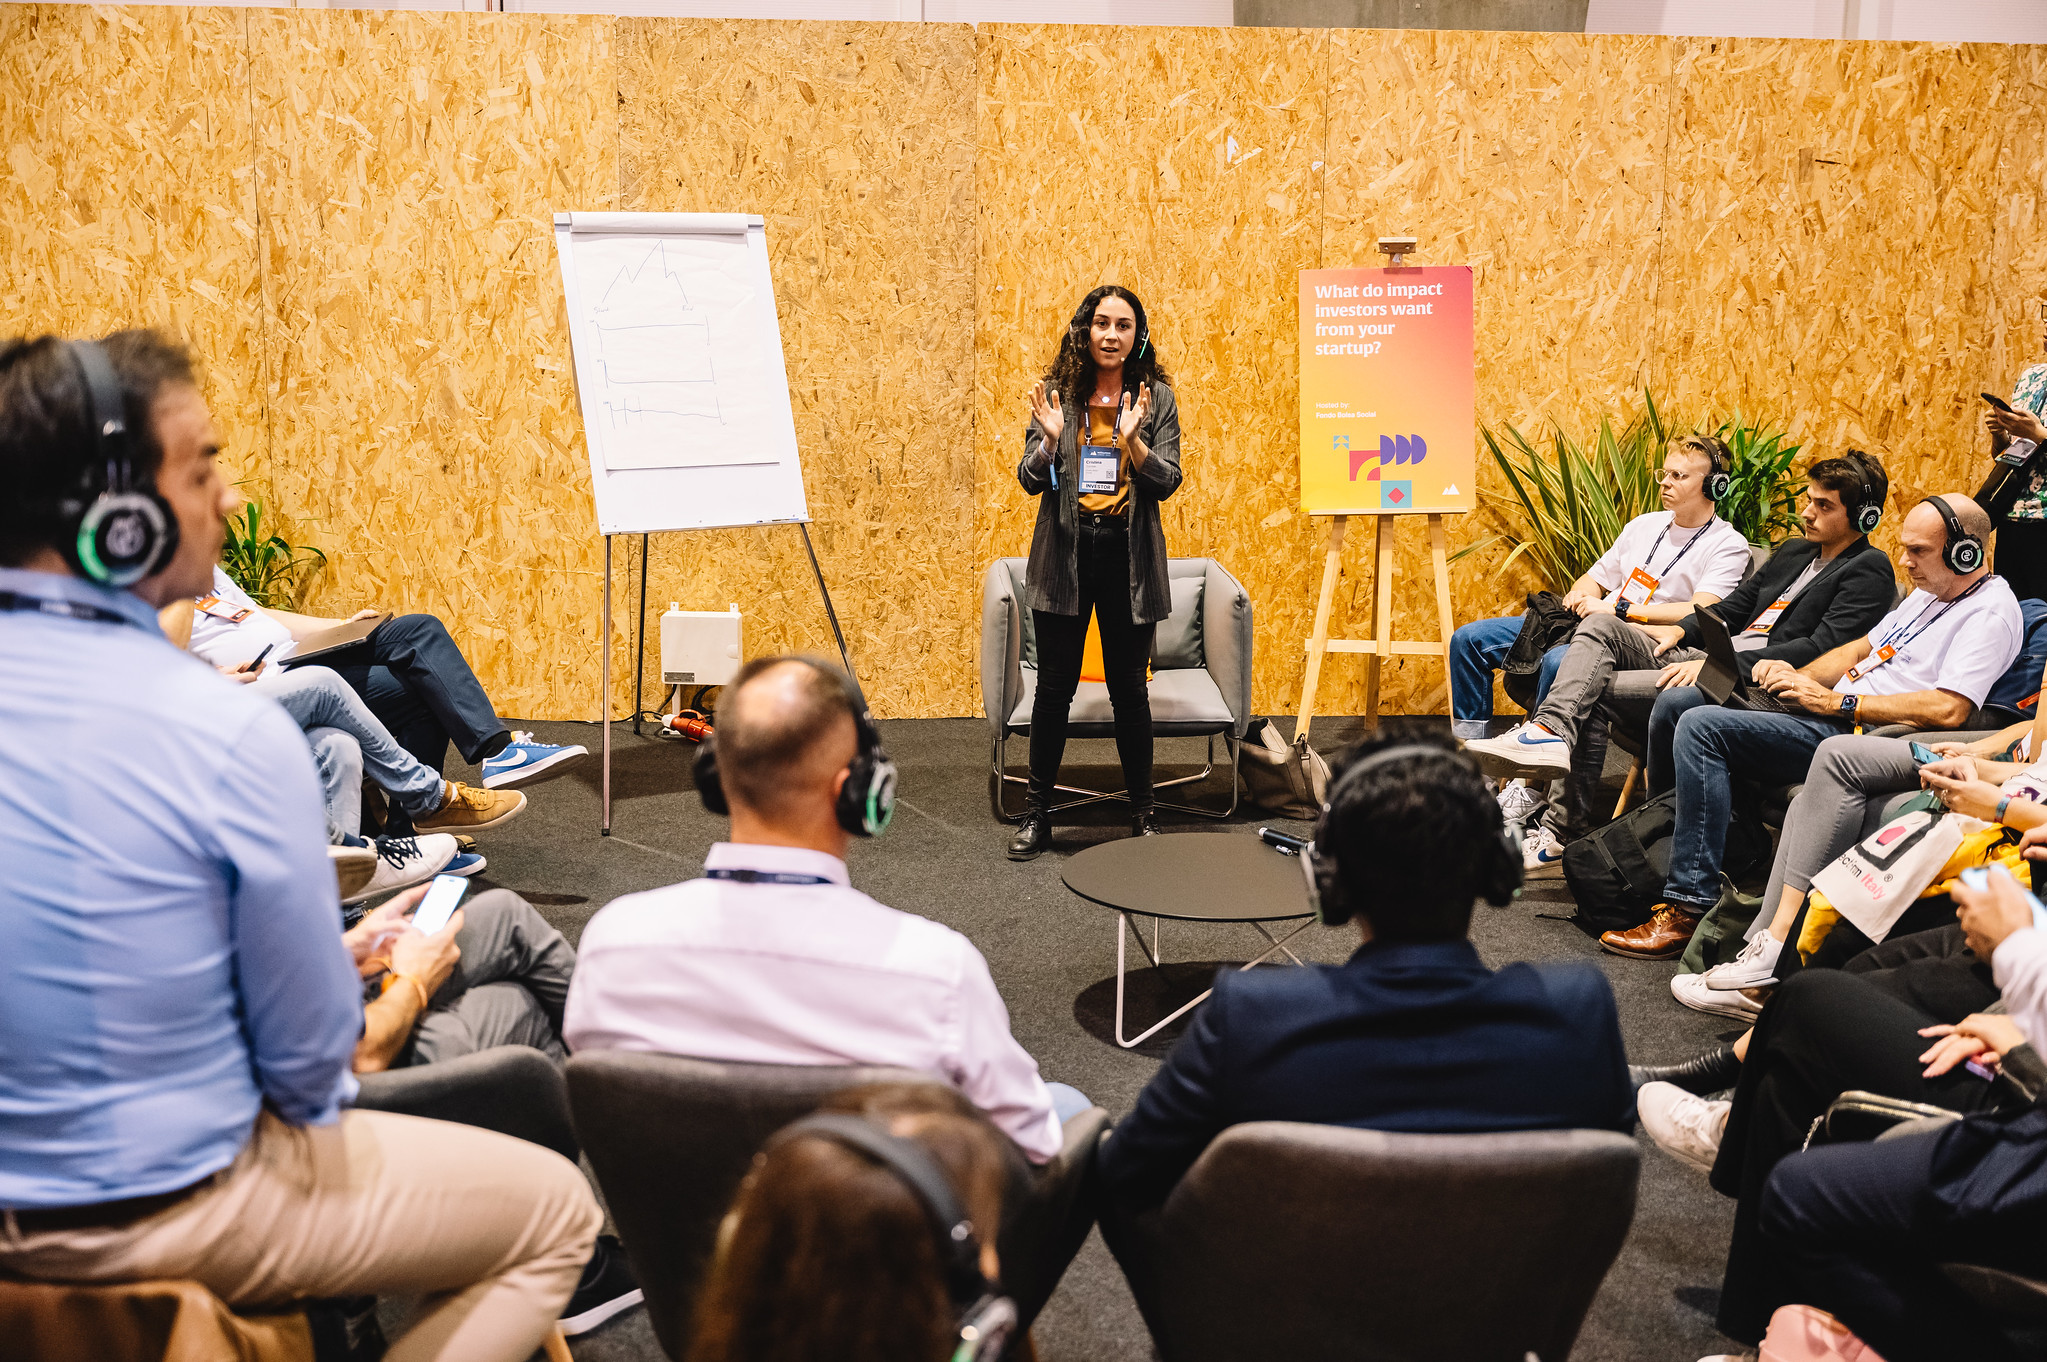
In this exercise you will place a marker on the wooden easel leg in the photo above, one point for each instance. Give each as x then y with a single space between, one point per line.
1439 559
1382 612
1318 642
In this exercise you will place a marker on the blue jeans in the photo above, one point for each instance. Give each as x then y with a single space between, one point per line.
1671 705
348 740
1476 652
1067 1101
1711 746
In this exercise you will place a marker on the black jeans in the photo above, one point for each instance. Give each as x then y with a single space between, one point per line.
1861 1236
1823 1033
1126 653
2020 556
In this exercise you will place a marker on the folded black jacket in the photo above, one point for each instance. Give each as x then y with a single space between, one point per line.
1844 602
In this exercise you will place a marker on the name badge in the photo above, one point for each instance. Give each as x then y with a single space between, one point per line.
1098 464
214 608
1768 619
1883 655
1641 586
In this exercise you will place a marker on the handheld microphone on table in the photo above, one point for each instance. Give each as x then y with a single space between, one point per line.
1286 844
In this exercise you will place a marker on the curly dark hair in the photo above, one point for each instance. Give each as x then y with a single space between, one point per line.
1073 369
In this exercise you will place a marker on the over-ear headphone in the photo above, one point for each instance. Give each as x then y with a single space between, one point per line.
125 531
1325 891
867 801
1963 552
986 1318
1869 512
1720 477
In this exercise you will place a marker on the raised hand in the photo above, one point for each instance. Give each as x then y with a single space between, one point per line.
1133 416
1047 412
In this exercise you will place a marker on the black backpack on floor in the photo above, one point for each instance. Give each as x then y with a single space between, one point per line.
1617 873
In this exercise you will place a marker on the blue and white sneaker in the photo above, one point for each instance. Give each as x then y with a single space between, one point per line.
1542 856
465 864
526 762
1525 750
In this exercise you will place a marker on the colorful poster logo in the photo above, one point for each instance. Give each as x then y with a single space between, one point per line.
1387 384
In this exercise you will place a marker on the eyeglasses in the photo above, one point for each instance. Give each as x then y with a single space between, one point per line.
1671 475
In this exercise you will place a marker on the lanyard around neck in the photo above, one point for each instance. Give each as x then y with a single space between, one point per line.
69 610
1895 645
765 877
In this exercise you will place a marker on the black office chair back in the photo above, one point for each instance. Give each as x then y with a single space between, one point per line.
1309 1242
671 1138
512 1089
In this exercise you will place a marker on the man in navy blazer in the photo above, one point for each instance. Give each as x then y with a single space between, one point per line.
1413 1032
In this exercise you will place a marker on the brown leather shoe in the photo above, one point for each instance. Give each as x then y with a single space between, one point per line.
1664 936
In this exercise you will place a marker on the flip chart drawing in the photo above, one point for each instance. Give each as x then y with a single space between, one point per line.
678 358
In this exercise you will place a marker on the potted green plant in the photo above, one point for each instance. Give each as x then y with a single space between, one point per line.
272 569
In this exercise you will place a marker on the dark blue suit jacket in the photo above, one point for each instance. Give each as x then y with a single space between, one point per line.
1408 1037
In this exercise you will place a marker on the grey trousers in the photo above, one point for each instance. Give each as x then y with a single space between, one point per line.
1577 711
1851 789
509 988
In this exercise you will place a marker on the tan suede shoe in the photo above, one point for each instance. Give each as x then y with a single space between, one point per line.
1665 935
468 809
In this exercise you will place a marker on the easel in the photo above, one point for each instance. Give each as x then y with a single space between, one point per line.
640 660
1382 644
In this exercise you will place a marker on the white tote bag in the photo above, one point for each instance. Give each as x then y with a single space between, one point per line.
1873 882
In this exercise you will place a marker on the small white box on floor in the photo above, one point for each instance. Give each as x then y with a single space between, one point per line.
699 647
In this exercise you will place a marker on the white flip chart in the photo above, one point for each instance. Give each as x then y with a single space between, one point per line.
679 370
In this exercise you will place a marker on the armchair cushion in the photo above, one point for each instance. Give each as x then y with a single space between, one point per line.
1183 702
1177 641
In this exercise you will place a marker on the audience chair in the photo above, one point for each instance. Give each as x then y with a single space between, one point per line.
1309 1242
1200 684
671 1137
513 1089
152 1321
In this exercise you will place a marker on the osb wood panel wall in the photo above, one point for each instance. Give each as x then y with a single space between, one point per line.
348 215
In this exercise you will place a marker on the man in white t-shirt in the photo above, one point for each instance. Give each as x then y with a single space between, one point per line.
1928 663
1661 566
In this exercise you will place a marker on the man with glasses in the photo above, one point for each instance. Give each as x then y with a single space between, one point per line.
1662 566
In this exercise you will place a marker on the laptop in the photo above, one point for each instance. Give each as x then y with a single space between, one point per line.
328 643
1722 676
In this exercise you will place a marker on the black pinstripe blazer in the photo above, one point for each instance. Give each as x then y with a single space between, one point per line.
1052 581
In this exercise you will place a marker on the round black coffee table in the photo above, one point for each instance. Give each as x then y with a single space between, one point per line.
1190 877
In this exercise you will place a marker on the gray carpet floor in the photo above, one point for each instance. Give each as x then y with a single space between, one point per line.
1053 956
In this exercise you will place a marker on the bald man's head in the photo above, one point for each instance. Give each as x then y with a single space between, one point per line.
1924 540
785 732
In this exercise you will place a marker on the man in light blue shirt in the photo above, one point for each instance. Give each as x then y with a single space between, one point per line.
177 1010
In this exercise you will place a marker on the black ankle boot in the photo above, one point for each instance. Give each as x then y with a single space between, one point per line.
1699 1075
1144 823
1033 835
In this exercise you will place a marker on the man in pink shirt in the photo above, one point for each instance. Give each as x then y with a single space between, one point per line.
774 958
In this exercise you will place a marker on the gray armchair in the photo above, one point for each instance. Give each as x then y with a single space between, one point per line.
1200 685
1310 1242
671 1137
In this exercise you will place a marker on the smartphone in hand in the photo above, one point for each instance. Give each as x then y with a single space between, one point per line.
1994 400
1923 754
1978 877
440 903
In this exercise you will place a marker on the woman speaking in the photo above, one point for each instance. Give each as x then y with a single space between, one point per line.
1104 442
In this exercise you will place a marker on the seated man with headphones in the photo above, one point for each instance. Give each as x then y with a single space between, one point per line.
1413 1032
1928 663
1659 566
1814 594
772 957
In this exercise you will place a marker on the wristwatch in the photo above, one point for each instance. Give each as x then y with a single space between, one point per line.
1620 607
1848 703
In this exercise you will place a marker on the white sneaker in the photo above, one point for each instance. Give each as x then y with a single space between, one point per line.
1519 801
1753 968
1685 1127
1525 750
1694 992
353 868
1542 856
405 861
